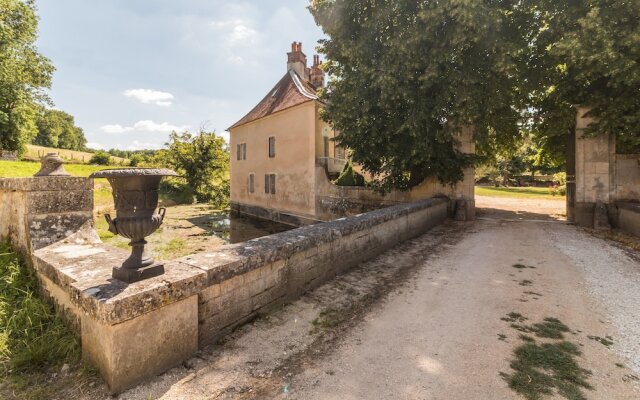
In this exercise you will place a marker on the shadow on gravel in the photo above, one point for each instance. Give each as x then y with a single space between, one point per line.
495 213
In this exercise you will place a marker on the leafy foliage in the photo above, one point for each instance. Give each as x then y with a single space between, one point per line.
349 177
203 161
24 73
100 158
57 129
407 75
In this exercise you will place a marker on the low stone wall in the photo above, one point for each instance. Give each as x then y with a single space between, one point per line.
39 211
629 217
627 179
131 332
248 279
334 201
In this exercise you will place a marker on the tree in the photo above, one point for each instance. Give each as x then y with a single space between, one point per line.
406 75
203 161
57 129
583 52
24 73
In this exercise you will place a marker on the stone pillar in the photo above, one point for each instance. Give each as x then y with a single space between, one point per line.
595 174
465 190
36 212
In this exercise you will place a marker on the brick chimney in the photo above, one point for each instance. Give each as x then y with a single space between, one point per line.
297 61
317 74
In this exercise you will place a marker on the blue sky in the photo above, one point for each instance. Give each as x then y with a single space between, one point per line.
130 71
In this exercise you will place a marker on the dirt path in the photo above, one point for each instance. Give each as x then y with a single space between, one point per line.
425 321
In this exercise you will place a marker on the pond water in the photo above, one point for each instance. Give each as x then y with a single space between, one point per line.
237 229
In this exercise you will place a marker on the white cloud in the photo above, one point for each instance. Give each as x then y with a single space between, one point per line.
148 96
115 129
238 31
136 145
144 126
96 146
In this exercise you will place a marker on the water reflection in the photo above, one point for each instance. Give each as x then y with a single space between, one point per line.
236 229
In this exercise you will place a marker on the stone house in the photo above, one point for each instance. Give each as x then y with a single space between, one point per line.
276 146
283 155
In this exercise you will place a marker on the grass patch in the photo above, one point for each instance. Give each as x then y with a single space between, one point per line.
606 341
172 249
327 319
517 192
514 317
502 337
32 336
34 341
543 369
533 293
519 266
551 328
21 169
525 282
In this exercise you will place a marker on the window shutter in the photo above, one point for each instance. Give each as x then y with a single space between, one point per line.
238 152
244 151
272 147
266 184
273 183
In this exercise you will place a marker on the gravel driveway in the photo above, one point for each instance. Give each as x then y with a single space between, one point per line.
426 320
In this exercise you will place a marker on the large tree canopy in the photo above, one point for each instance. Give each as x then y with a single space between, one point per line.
23 74
57 129
405 74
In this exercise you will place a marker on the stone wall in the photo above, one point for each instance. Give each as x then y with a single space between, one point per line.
132 332
629 218
39 211
250 278
627 177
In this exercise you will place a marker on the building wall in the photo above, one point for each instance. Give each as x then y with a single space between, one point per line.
627 183
293 164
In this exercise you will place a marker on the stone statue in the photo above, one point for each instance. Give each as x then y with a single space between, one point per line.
52 165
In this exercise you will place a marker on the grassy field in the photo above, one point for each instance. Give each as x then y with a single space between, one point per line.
22 169
36 152
518 192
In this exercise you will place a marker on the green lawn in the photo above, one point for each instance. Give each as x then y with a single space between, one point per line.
517 192
21 169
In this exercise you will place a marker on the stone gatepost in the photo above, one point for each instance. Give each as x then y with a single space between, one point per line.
595 174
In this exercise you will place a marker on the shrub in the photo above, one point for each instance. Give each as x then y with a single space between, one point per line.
177 190
349 177
100 158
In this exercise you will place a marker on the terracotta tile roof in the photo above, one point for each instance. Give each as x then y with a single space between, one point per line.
289 92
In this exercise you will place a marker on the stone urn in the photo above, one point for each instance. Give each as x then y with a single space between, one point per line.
135 194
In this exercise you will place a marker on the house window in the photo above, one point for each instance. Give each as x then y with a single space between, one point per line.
241 151
326 146
339 152
272 147
252 183
270 183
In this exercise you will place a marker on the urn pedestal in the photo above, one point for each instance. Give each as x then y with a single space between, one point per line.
135 194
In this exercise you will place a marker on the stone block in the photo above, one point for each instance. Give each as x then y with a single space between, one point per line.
51 202
132 351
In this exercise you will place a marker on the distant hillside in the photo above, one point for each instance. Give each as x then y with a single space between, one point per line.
36 152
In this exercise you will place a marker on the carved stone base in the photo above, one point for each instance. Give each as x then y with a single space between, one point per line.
130 275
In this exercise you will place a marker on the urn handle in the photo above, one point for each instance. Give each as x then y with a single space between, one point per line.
112 224
162 211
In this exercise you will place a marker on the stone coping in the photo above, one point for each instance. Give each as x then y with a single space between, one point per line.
46 183
82 267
